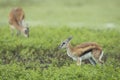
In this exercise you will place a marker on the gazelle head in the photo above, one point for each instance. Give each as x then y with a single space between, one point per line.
26 30
64 43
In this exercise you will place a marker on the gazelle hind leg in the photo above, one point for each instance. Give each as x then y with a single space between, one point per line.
92 61
101 55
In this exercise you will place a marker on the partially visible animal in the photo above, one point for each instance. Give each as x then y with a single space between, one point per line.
17 22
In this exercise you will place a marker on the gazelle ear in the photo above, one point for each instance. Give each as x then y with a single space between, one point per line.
70 38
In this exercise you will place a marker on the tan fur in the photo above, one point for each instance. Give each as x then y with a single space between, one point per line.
80 49
16 15
88 50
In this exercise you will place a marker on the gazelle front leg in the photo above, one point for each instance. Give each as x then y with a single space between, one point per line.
12 30
17 33
92 61
79 60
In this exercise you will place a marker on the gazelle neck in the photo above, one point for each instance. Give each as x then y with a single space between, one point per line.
70 51
69 48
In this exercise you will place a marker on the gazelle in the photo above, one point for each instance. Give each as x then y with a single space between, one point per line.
89 50
16 21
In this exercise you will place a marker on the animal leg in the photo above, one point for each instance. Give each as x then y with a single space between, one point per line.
92 61
12 30
100 58
79 60
18 33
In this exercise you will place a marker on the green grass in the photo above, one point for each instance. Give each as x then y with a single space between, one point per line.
14 72
52 21
39 58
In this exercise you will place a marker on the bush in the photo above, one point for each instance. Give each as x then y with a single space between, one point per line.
37 57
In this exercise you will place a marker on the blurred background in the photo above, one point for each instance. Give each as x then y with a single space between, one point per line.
72 13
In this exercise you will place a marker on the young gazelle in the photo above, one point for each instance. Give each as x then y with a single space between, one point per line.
16 21
89 50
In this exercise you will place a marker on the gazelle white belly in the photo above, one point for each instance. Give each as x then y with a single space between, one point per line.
86 56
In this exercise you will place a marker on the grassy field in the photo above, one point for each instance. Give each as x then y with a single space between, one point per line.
52 21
